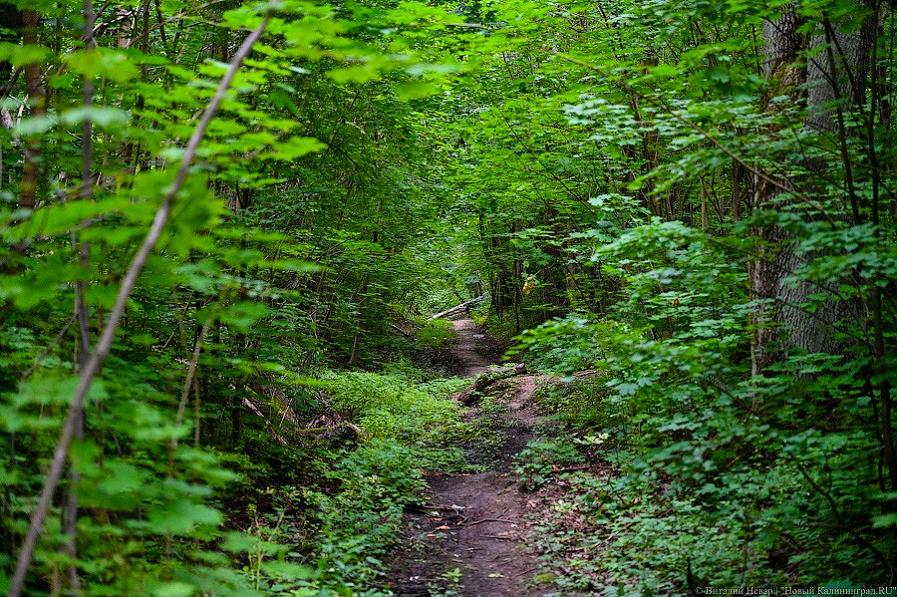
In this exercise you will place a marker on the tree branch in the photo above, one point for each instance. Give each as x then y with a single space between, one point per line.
185 391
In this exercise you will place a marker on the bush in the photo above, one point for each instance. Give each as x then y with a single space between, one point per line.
397 407
435 333
361 520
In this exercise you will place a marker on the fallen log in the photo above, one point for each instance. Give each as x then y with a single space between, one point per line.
257 411
465 306
492 375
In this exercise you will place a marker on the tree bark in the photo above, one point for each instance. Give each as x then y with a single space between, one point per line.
782 46
834 76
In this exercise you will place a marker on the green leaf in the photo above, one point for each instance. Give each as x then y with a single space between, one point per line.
174 589
19 56
294 148
102 63
100 115
181 517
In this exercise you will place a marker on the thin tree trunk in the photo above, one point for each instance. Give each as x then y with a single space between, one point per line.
81 311
31 23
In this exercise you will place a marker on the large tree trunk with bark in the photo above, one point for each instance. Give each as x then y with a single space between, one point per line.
782 47
832 77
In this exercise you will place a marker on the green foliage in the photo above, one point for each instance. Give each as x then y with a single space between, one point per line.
291 239
396 407
564 346
582 404
435 333
339 528
540 460
651 203
644 195
357 510
360 521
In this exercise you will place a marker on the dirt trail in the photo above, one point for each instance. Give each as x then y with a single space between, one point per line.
468 349
476 523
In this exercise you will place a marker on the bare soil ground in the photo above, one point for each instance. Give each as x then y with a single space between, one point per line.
471 351
471 538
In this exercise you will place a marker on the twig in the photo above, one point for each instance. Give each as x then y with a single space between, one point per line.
571 469
92 367
482 520
839 516
400 330
440 507
39 359
313 430
607 539
196 413
185 392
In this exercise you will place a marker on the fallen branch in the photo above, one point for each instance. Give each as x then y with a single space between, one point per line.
490 376
103 346
440 507
571 469
313 430
258 412
400 330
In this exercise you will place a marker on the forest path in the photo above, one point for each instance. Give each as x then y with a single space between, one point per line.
468 350
470 539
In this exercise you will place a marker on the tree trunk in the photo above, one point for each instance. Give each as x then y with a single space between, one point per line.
833 77
782 46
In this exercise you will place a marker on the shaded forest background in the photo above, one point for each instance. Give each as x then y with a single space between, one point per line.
225 226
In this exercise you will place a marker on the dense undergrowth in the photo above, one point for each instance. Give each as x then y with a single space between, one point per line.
328 526
341 524
223 225
681 491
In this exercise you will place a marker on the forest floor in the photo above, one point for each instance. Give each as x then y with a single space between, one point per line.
471 537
